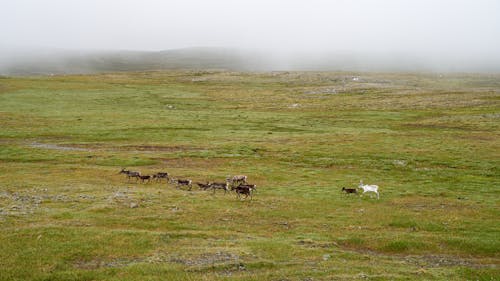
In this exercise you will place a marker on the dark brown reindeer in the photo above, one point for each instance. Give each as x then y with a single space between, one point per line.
203 185
179 183
160 175
349 190
145 178
244 189
245 185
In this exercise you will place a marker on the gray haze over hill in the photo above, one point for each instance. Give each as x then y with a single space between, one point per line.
56 36
56 61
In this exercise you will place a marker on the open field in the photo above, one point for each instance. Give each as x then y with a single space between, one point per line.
431 142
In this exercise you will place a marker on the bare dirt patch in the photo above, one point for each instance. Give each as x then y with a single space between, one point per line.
101 263
330 90
427 261
313 244
430 261
207 259
154 148
25 203
56 147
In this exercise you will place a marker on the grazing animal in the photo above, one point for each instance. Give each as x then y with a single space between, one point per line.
219 185
245 185
161 175
135 175
236 179
145 178
187 183
123 171
369 188
130 174
203 185
349 190
244 189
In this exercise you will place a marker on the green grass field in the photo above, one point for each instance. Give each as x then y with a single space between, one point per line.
431 142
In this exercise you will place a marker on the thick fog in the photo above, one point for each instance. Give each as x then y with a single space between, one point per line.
403 34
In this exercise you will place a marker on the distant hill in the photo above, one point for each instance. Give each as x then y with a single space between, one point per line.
55 61
64 62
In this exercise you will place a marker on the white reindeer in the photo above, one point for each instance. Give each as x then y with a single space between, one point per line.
369 188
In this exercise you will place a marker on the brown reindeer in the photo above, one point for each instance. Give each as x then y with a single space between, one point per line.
187 183
130 174
245 186
245 189
349 190
135 175
203 185
145 178
160 175
219 185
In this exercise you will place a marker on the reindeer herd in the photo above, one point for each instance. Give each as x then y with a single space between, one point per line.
238 183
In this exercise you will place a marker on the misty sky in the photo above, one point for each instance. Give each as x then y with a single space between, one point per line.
418 26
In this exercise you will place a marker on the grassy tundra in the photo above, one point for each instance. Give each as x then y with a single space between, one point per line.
431 143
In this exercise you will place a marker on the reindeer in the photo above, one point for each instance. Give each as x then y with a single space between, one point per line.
369 188
245 185
123 171
238 179
349 190
244 189
203 185
130 174
160 175
187 183
135 175
220 185
145 178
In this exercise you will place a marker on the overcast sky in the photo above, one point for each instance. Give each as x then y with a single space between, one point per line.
405 26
